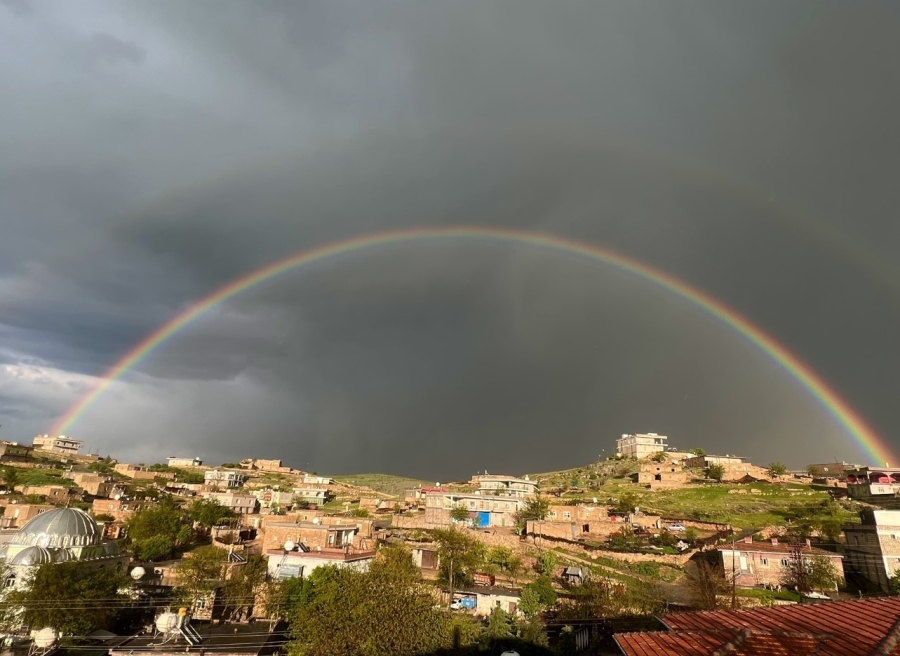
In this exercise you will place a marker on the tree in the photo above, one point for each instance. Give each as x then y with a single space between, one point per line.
716 472
659 456
68 597
815 471
691 535
626 503
810 573
542 587
460 556
706 583
499 626
158 531
285 598
386 610
500 556
199 573
104 517
515 568
546 563
240 589
894 583
535 509
10 477
776 469
209 512
458 513
359 512
697 451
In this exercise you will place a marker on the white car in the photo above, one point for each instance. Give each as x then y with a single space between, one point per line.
678 528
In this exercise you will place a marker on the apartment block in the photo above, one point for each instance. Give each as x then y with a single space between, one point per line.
640 445
226 478
62 445
175 461
243 504
504 485
872 550
484 510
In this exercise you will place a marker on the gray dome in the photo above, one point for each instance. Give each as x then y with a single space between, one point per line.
32 556
61 527
62 556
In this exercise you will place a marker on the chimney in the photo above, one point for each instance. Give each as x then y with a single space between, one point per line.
774 541
748 539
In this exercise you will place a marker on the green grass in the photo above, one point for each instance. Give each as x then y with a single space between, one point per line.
713 503
769 595
387 483
42 477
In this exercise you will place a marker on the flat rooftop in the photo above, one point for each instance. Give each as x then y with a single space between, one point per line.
252 638
325 554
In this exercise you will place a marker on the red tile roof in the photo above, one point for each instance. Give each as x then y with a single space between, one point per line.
848 628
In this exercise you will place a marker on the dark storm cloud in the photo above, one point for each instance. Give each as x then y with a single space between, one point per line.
156 151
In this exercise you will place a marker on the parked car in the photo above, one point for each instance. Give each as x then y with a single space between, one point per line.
678 528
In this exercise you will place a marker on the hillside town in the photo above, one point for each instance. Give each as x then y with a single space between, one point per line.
650 548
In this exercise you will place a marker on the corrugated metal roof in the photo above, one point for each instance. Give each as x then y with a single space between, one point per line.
849 628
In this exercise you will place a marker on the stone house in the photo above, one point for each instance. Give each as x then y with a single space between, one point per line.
662 475
872 550
765 563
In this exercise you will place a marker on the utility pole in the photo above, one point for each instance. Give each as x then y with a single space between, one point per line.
450 604
799 568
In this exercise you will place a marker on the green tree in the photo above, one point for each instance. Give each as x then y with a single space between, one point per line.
546 563
659 456
158 531
542 588
697 451
535 509
68 598
285 598
716 472
515 568
209 512
104 517
776 469
458 513
500 556
894 583
460 556
530 603
359 512
691 535
199 574
626 503
241 588
10 477
810 573
387 610
499 626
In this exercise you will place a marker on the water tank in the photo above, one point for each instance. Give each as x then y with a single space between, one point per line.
166 622
138 573
44 638
317 520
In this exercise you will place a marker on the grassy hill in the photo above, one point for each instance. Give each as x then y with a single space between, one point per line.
387 483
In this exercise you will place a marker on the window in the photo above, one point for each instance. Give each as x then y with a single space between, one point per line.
200 604
10 581
764 562
567 515
553 513
785 562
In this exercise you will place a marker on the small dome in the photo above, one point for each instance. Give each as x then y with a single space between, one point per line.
32 556
63 556
59 528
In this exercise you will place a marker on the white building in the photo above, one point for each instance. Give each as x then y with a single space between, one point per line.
175 461
60 444
298 563
505 485
640 445
243 504
314 479
223 478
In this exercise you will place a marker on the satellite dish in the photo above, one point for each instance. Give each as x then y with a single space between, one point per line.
289 545
317 520
117 497
46 637
166 622
138 573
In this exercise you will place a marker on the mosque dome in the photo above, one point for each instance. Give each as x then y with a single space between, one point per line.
59 528
63 556
32 556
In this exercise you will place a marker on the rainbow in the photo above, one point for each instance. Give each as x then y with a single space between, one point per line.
865 436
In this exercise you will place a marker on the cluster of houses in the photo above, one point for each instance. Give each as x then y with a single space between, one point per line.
287 525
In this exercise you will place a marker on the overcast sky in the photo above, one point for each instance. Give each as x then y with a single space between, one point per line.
152 151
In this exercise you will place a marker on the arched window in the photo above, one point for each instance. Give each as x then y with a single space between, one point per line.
10 581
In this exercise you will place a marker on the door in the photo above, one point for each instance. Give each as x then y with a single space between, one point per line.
483 519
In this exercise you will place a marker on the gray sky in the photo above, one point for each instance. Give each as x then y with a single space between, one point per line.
152 151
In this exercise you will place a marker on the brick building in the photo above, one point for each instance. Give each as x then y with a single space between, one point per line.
15 515
662 475
243 504
484 511
318 534
765 563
